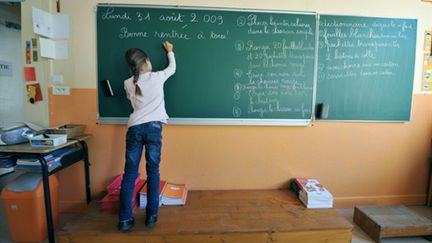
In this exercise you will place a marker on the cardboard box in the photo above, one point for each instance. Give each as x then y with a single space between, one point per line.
71 130
48 140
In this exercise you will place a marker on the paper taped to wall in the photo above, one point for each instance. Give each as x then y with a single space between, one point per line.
55 49
50 25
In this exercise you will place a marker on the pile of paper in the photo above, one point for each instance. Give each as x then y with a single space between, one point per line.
311 193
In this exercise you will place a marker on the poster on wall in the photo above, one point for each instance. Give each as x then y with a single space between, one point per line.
427 62
29 74
34 93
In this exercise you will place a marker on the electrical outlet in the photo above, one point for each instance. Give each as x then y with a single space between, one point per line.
61 90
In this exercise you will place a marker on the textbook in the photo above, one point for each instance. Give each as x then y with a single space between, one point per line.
110 203
174 194
312 193
114 187
6 170
52 159
316 203
143 194
34 164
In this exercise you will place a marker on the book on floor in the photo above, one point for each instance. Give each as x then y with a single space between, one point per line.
174 194
143 194
115 186
110 203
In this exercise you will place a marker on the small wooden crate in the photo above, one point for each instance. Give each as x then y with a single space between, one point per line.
391 221
71 130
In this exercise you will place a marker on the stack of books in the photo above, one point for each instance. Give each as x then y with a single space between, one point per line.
111 202
53 160
143 194
311 193
7 164
174 194
34 164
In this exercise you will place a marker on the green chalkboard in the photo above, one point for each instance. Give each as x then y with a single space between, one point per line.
233 66
366 67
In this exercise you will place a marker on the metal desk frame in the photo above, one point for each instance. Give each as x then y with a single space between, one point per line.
27 151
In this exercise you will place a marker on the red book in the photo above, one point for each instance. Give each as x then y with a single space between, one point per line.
110 203
114 187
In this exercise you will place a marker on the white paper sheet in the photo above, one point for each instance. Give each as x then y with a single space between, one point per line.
55 49
55 26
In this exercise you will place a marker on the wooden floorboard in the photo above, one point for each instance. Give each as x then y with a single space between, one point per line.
219 216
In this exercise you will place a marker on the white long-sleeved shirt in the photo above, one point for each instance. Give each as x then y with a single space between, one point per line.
150 106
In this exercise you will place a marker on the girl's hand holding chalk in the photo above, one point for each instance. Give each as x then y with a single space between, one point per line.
168 46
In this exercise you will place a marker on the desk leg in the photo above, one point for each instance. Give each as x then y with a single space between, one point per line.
47 197
87 171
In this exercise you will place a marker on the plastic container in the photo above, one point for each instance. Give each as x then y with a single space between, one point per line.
24 205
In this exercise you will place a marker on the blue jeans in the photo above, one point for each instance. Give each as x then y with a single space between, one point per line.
148 135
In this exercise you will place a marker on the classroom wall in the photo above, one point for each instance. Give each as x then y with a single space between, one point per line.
361 163
11 87
36 113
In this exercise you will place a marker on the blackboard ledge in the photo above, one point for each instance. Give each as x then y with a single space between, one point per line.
240 122
362 121
219 121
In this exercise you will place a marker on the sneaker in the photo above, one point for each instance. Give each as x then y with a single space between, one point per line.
151 220
126 225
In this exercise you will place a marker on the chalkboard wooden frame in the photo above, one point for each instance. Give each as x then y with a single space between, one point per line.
223 121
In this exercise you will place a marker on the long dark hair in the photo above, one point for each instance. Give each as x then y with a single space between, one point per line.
135 58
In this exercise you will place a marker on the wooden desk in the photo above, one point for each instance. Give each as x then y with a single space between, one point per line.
27 151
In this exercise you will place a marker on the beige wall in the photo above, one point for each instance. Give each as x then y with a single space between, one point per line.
376 163
36 113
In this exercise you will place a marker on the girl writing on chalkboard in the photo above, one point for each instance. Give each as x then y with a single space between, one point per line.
145 92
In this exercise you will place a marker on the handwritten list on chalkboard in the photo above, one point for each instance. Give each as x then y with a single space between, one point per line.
230 64
258 67
366 67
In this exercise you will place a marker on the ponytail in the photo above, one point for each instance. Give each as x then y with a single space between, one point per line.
135 80
135 58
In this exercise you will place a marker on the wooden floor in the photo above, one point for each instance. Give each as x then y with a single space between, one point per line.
218 216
